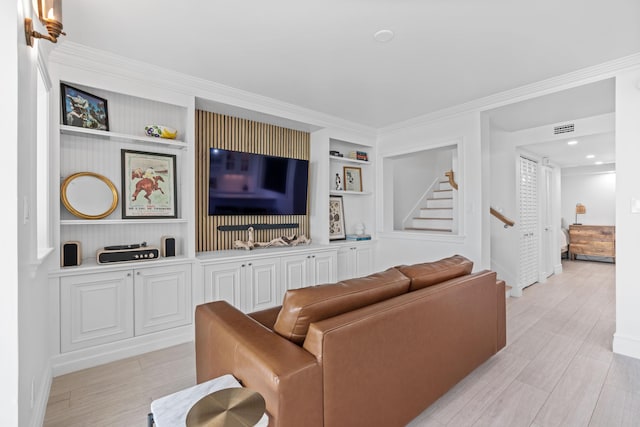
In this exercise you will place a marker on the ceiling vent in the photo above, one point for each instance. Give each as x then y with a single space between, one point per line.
563 129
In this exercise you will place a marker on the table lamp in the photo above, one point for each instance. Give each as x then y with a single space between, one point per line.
580 209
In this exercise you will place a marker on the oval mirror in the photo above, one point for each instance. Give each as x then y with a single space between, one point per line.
89 195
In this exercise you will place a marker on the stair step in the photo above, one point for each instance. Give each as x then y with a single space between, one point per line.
442 194
437 223
446 213
444 230
440 203
444 185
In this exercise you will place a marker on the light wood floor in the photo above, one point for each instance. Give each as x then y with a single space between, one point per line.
557 369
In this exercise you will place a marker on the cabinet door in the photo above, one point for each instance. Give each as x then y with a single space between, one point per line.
224 282
363 261
295 272
262 284
162 298
346 263
323 268
95 309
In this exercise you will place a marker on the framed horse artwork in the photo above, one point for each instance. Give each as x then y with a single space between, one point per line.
148 185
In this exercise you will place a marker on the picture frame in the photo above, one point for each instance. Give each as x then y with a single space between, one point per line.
82 109
352 178
336 219
149 187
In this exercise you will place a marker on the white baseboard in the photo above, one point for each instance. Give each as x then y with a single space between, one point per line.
626 345
40 405
557 269
65 363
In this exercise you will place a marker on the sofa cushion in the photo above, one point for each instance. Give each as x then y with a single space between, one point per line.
303 306
432 273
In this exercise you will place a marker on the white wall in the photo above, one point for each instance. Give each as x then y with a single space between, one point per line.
403 248
9 33
594 187
627 337
33 350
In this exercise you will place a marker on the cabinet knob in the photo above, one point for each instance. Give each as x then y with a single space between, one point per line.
128 274
249 263
242 265
313 256
138 273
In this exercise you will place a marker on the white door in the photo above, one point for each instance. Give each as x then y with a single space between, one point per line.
223 282
295 271
528 269
548 241
263 284
364 260
323 268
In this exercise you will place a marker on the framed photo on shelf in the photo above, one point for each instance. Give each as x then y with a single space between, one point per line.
82 109
148 185
352 178
336 218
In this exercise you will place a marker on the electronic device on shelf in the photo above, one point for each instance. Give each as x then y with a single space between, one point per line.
126 253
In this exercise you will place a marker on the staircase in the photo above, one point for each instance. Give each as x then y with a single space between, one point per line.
436 213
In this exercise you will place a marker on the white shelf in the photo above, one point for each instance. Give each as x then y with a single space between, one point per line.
122 221
149 140
348 160
349 193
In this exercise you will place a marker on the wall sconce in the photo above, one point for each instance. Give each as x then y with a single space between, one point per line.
50 14
580 209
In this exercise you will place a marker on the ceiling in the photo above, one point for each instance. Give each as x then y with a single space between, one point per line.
322 55
564 107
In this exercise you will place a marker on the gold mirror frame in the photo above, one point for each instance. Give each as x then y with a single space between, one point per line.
73 210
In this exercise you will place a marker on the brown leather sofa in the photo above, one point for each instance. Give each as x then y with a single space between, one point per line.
373 351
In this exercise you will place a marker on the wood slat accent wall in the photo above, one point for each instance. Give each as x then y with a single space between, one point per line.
231 133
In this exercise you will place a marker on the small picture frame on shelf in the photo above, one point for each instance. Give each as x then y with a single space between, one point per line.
148 185
82 109
336 219
352 178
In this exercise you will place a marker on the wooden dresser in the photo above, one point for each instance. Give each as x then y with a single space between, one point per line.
594 240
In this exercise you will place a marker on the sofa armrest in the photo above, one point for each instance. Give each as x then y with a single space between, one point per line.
502 314
288 377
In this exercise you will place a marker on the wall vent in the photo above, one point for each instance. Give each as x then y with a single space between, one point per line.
563 129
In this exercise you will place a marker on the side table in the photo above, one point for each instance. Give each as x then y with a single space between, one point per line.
172 410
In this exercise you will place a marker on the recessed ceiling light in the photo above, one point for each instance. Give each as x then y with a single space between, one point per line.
572 142
590 156
383 36
598 163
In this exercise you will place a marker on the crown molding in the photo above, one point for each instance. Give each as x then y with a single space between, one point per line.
97 61
543 87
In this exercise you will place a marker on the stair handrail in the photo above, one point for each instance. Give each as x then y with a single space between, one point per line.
507 222
452 181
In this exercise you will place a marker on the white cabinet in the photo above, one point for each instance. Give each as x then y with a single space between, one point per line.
95 309
249 285
162 298
104 307
257 281
309 269
355 261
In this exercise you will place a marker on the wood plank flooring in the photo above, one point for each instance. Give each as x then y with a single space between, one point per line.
557 369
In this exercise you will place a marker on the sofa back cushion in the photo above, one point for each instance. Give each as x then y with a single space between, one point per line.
432 273
303 306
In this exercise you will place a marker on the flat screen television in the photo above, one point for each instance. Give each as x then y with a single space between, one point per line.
243 183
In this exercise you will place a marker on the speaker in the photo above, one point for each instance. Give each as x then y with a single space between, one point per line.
71 254
168 246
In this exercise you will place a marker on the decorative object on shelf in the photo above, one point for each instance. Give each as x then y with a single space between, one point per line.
336 218
338 182
580 210
82 109
226 408
335 153
293 240
168 246
358 237
89 195
50 14
359 227
352 178
358 155
160 131
148 185
127 253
